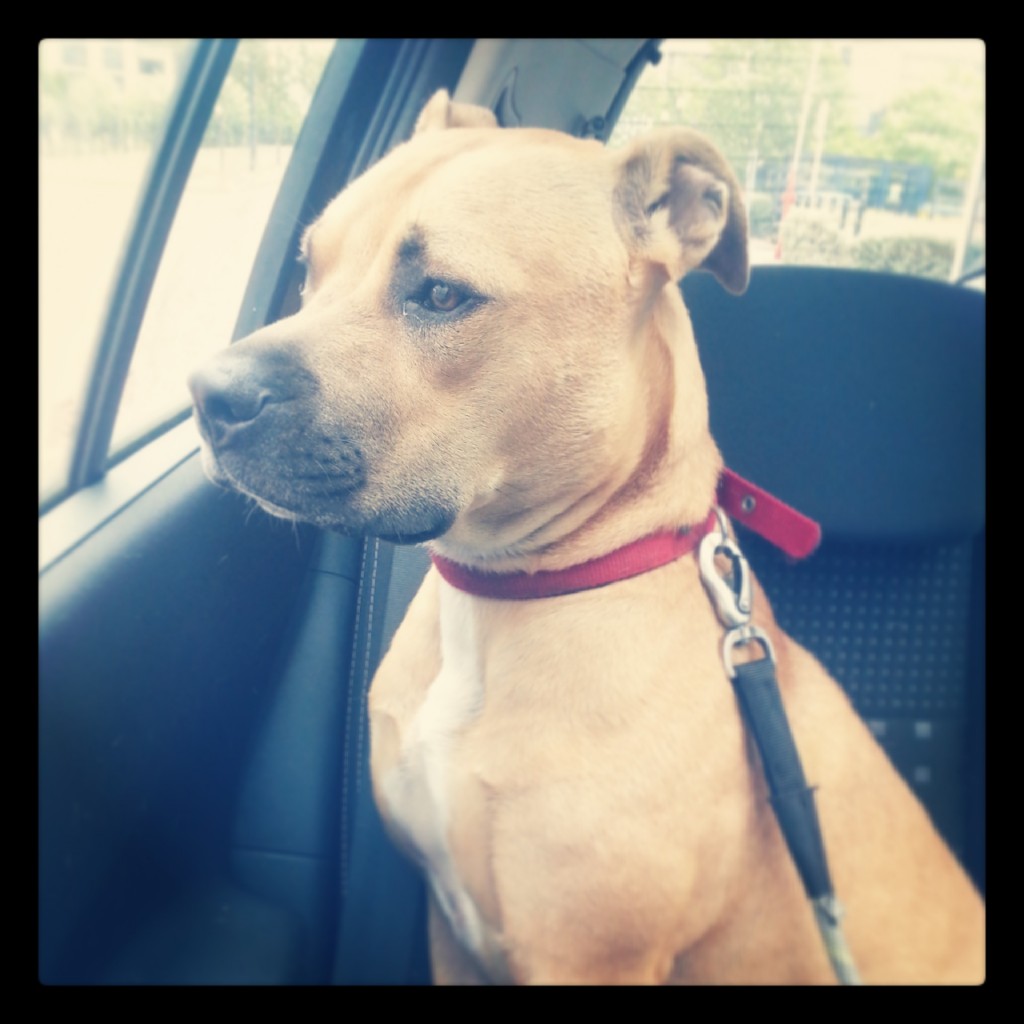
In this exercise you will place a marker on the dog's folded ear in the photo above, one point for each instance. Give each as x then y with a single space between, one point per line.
681 207
442 111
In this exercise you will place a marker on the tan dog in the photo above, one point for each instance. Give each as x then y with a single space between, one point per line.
493 355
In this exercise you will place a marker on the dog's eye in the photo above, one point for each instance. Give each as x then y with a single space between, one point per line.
443 297
437 296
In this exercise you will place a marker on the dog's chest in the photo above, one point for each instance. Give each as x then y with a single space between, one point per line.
418 790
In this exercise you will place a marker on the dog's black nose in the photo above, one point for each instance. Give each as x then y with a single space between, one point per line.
236 391
227 401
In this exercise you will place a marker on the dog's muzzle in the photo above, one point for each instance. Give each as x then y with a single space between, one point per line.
258 414
270 433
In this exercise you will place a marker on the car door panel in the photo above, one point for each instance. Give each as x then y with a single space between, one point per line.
158 637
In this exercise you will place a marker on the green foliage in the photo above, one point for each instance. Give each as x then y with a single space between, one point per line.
87 112
921 257
933 126
263 101
936 127
808 237
744 93
755 88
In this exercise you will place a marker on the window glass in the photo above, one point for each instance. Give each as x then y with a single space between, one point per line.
224 210
103 104
858 153
101 113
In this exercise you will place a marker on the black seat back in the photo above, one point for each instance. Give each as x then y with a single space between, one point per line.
859 398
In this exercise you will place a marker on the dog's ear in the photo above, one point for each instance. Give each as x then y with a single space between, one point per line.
442 111
681 207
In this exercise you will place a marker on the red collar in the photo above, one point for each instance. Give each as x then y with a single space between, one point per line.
777 522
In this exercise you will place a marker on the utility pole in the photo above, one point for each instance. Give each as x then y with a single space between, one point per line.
789 196
820 121
972 198
252 113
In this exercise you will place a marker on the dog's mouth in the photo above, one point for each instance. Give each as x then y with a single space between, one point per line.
265 433
415 525
292 475
323 481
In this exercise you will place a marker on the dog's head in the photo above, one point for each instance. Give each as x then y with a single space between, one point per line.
471 354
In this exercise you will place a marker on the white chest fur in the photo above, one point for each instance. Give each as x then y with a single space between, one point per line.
418 789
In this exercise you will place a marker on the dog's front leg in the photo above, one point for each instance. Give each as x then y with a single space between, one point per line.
449 961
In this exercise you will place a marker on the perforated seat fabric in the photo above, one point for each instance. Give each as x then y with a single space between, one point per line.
892 623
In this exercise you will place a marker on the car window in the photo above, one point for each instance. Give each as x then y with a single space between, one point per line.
102 107
103 104
857 153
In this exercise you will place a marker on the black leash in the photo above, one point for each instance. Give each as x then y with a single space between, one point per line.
757 690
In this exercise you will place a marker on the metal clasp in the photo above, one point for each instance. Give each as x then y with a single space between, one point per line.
730 594
740 637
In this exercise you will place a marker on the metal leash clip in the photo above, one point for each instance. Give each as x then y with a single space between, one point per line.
730 594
